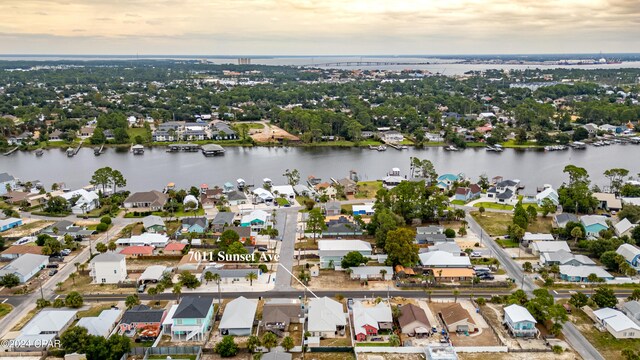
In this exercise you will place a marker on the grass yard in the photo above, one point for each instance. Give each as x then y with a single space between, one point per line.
5 309
282 201
492 205
507 243
95 310
133 132
513 144
306 244
27 229
83 285
496 223
458 202
368 189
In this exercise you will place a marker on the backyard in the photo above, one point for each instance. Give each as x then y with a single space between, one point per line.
368 189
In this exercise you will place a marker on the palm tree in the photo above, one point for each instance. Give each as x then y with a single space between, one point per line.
429 292
394 340
383 272
251 276
82 267
177 290
217 278
59 286
208 276
455 295
73 277
112 246
153 292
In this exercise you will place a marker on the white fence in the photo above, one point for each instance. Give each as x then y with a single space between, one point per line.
420 350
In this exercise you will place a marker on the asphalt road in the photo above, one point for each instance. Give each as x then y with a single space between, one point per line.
286 223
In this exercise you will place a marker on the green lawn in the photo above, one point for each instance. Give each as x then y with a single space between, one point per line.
133 132
507 243
5 309
607 345
491 205
496 223
512 144
179 213
458 202
282 201
368 189
181 357
251 125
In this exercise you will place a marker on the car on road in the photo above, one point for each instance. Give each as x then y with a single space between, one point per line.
475 254
141 288
261 248
65 252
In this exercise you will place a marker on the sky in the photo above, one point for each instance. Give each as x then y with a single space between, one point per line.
323 27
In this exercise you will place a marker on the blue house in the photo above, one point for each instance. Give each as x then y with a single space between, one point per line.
581 273
192 318
194 225
9 223
519 321
593 224
631 254
446 180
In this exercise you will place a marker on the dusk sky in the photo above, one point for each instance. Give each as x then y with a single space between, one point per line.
310 27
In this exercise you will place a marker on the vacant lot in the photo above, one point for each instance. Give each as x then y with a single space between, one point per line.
368 189
83 285
5 309
27 229
330 279
496 223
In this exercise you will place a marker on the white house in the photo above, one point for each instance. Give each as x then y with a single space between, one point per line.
539 247
624 227
6 181
368 319
103 324
326 318
332 251
261 195
25 266
256 220
40 331
238 316
443 259
617 323
631 254
531 237
145 239
82 201
285 191
548 193
108 268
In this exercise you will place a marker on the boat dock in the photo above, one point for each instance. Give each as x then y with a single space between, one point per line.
72 152
184 147
137 149
98 151
212 150
11 151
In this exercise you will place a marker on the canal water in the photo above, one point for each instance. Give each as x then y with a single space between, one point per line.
156 167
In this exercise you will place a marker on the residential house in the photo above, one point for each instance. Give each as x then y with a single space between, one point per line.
342 227
326 189
278 314
146 201
25 267
561 220
617 323
608 202
548 194
365 209
446 181
82 201
440 352
624 227
504 192
303 190
197 225
86 132
211 197
222 220
145 239
154 224
371 273
193 318
108 268
9 223
441 259
457 319
564 257
413 320
450 247
430 235
256 220
519 321
332 208
468 193
137 251
153 274
231 275
174 248
101 325
593 224
261 195
632 310
391 181
332 251
631 254
15 251
41 331
235 198
349 186
537 237
540 247
285 191
581 273
238 317
139 317
7 181
326 318
392 136
244 234
370 318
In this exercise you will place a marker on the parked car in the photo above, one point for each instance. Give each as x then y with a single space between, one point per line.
52 266
486 277
141 288
475 254
65 252
53 272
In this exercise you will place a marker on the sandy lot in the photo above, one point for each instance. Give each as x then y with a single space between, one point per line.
272 133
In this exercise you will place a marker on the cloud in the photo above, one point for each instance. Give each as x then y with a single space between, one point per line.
315 27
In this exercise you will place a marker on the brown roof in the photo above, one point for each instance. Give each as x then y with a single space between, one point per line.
23 249
462 190
242 231
156 198
281 312
475 188
16 196
455 313
410 313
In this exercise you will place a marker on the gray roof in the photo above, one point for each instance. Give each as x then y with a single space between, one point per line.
202 221
433 229
5 177
236 195
450 247
142 314
24 265
193 307
108 257
48 321
223 218
564 218
239 314
152 220
431 238
632 309
276 355
333 205
507 194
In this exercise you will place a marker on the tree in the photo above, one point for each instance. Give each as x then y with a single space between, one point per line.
177 290
56 205
227 238
293 176
101 177
217 278
578 299
253 342
616 177
635 295
481 210
576 233
353 259
10 281
131 301
251 276
208 276
394 340
527 267
188 280
269 340
73 300
382 222
152 292
547 207
112 246
456 293
101 247
287 343
604 297
236 249
611 260
449 233
630 212
400 247
315 223
227 347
